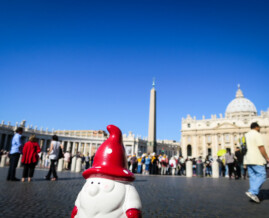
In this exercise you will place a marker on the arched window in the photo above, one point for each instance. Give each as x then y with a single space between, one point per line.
189 150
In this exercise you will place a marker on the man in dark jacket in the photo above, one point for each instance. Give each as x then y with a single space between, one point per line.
239 163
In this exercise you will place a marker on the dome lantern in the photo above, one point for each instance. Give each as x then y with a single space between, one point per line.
239 93
240 106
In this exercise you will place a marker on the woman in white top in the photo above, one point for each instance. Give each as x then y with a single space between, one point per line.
229 160
53 156
173 165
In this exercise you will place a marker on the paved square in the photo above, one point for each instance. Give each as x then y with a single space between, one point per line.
162 196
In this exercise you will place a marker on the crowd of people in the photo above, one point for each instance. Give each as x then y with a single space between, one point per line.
156 164
230 165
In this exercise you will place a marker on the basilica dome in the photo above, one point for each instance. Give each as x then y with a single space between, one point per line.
240 105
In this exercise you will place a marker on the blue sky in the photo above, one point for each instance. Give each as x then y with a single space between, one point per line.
87 64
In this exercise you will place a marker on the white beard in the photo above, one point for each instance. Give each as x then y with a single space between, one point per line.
105 198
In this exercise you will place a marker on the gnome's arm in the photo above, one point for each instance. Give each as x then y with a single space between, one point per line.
74 212
132 203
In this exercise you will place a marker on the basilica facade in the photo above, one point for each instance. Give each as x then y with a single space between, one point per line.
208 136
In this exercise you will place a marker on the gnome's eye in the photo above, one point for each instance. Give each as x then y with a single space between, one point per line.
91 182
98 183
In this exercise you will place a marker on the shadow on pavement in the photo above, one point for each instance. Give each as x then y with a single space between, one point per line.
140 180
264 194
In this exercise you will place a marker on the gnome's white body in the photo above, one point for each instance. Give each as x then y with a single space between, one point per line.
108 191
105 198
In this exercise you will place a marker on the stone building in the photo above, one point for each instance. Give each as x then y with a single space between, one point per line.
82 141
208 136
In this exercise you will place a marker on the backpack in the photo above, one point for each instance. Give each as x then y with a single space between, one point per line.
60 154
243 144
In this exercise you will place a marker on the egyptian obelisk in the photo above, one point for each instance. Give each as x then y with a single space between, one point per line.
152 121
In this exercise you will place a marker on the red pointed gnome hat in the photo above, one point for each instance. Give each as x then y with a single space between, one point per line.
110 159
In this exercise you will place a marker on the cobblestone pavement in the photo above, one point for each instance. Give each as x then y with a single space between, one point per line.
162 196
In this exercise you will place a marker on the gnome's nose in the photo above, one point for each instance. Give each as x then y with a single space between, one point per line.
93 190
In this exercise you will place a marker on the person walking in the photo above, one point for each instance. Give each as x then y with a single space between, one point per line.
14 154
87 161
139 165
194 166
208 166
164 163
53 156
173 165
255 159
182 166
239 163
92 158
221 167
133 161
154 164
229 160
147 163
143 161
30 158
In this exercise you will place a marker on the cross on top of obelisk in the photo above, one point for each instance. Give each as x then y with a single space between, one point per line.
153 82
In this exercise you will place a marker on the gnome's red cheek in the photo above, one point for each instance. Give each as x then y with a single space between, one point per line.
108 187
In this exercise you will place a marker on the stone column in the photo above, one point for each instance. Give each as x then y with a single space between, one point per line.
73 164
215 169
133 150
90 149
85 147
41 144
232 143
63 146
136 148
212 141
60 165
222 142
73 148
184 147
204 146
216 145
194 142
3 160
78 165
189 169
79 147
68 146
94 148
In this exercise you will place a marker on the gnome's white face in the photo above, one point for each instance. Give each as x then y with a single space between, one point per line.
100 197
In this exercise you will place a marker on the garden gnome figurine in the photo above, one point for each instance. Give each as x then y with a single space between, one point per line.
108 191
